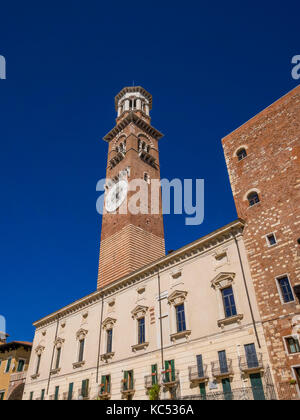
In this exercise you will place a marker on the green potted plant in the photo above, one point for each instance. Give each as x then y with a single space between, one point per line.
293 382
154 392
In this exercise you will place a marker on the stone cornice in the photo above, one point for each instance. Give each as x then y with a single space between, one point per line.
133 118
198 247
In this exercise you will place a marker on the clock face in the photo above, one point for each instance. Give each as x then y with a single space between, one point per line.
116 195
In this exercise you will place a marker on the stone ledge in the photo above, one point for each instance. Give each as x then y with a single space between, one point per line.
78 364
230 320
140 346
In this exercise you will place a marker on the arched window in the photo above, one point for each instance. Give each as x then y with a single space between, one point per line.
241 154
130 104
253 198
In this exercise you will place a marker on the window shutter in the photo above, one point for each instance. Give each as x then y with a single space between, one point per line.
108 384
173 370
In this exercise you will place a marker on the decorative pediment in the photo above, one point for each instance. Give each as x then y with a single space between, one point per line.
108 323
39 350
80 335
139 311
223 280
59 342
177 297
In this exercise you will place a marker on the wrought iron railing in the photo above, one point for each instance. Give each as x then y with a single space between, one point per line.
222 369
251 363
248 393
152 379
170 377
197 373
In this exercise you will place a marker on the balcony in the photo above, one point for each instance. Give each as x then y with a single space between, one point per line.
104 393
222 370
19 376
149 380
170 378
251 364
197 375
127 388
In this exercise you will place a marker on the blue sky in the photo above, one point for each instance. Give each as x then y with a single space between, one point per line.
210 66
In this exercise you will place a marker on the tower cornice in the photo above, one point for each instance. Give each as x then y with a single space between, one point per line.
139 122
133 89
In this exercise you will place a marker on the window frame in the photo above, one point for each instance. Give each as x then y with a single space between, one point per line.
182 321
8 365
241 149
277 279
143 328
109 339
256 202
23 368
267 239
223 300
286 345
80 357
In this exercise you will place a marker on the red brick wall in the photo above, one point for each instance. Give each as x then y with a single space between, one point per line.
272 167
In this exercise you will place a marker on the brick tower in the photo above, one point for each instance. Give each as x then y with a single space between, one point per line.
130 240
262 158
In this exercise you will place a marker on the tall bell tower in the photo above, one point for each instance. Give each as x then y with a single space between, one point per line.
131 239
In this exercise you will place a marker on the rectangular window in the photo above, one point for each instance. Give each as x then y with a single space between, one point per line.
228 302
285 289
7 369
271 239
43 394
292 345
70 391
154 374
169 371
128 380
21 364
105 384
202 391
85 388
200 366
251 355
56 393
81 350
58 353
227 389
109 341
141 330
2 393
223 361
180 318
31 395
38 364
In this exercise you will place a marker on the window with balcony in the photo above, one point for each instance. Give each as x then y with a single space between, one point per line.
285 289
223 362
229 302
105 385
128 383
292 345
251 356
169 372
